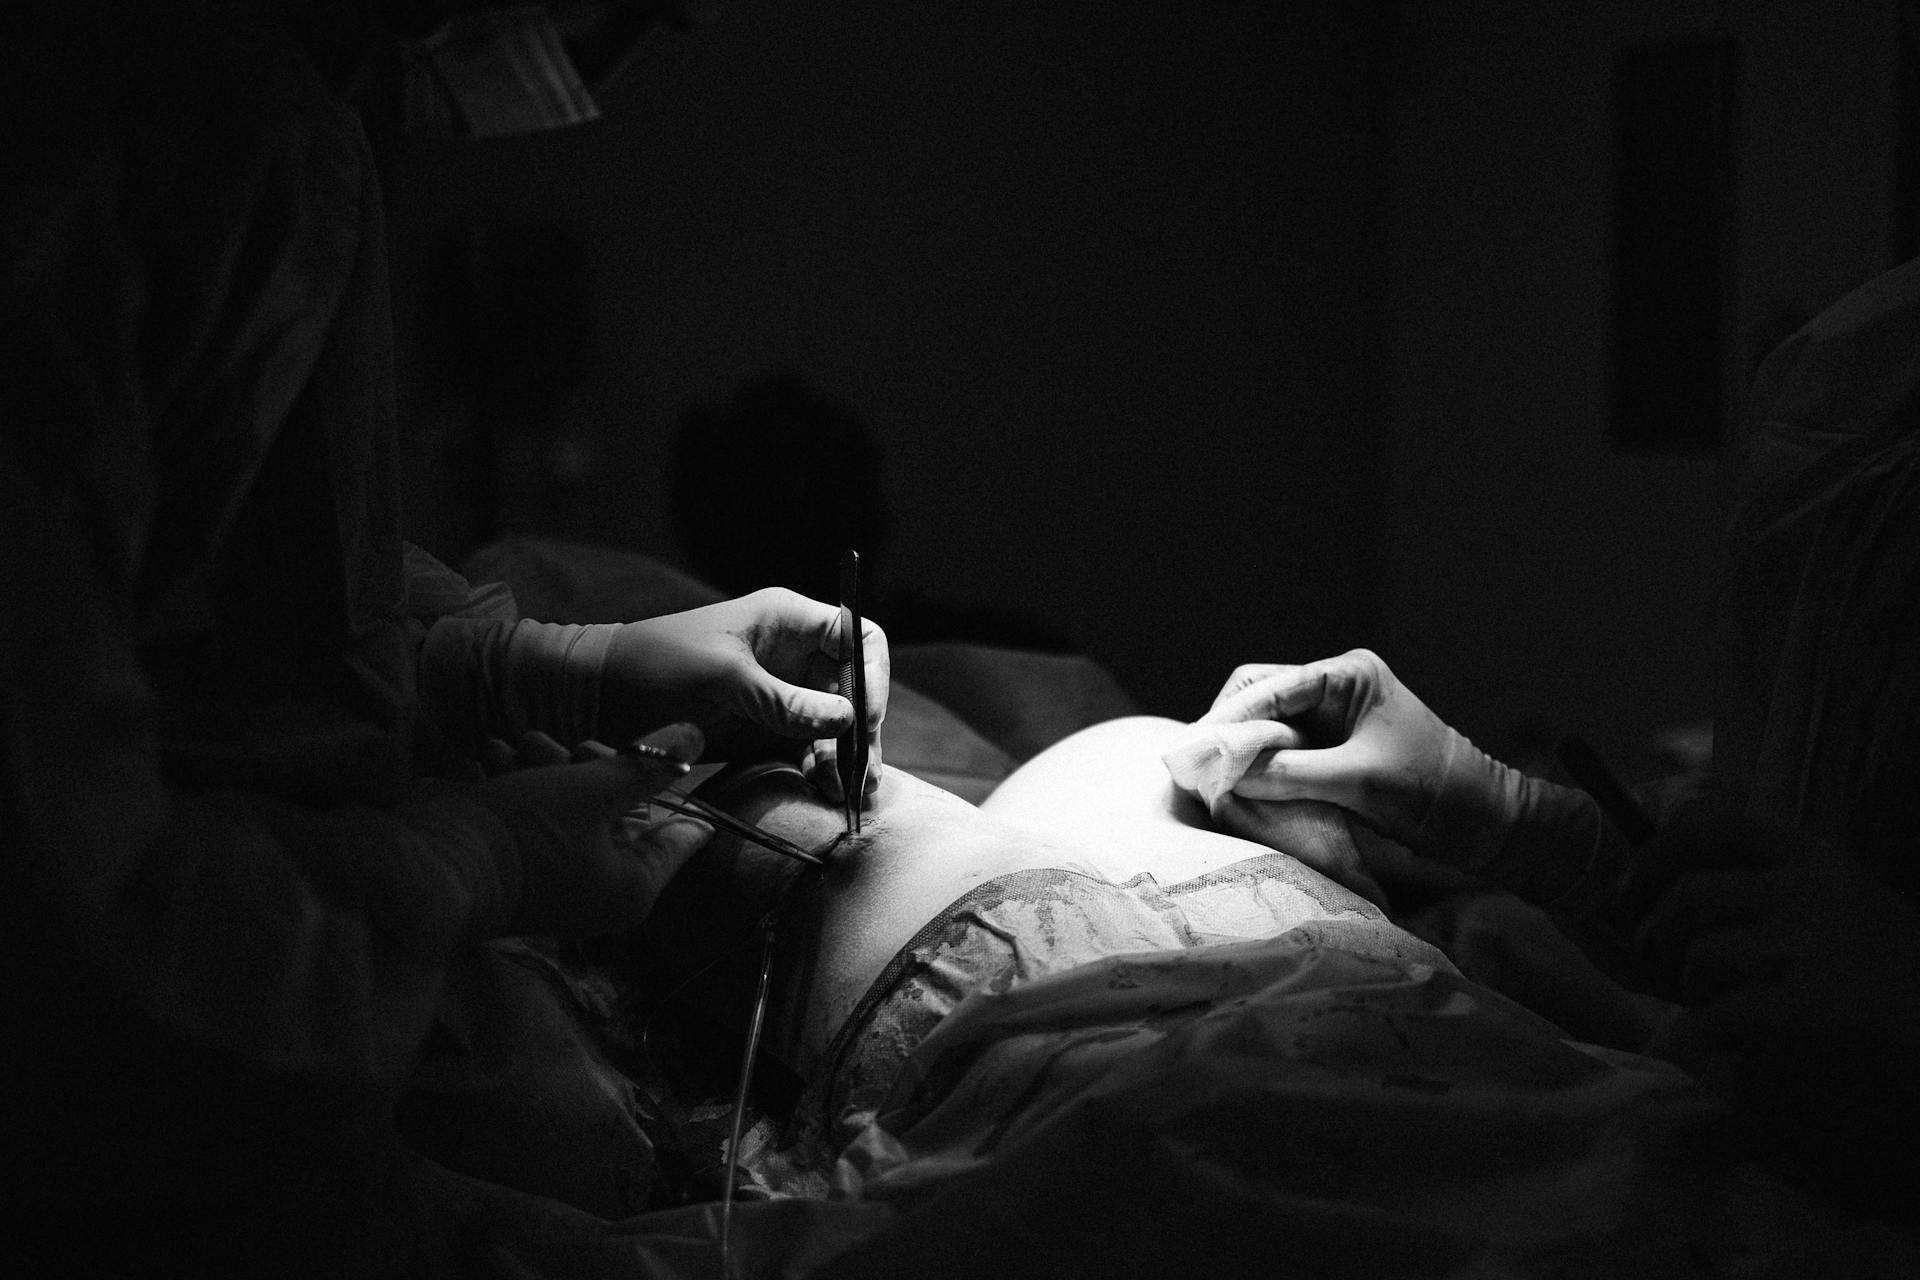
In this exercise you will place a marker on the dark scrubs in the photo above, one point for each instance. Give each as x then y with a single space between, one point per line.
1820 720
229 903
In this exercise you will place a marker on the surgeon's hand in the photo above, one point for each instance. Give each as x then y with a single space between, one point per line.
1342 730
586 868
758 674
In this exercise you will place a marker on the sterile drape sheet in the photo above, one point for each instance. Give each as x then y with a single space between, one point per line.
1303 1105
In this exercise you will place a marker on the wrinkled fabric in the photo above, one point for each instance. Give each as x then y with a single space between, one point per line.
513 1088
1064 1077
490 677
1821 614
1016 928
1299 1106
1547 843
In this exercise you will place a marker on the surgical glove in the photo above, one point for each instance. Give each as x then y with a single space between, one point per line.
1310 831
760 674
586 868
754 673
1345 730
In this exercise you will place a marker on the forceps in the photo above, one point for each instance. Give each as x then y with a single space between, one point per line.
856 744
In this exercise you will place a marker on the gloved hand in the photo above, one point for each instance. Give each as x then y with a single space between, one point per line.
585 867
1345 731
754 673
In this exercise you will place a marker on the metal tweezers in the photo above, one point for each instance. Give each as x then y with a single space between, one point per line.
855 746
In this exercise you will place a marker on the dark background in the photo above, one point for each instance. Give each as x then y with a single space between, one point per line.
1254 332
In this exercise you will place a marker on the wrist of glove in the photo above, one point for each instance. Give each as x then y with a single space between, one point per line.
754 673
1470 808
1545 842
486 678
1347 732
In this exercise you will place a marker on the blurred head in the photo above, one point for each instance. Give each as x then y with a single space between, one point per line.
769 487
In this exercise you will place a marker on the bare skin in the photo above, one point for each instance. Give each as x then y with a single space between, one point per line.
1098 803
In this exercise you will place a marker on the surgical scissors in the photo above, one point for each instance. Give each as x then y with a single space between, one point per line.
694 807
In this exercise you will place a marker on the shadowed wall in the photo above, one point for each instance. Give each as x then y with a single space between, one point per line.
1103 275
